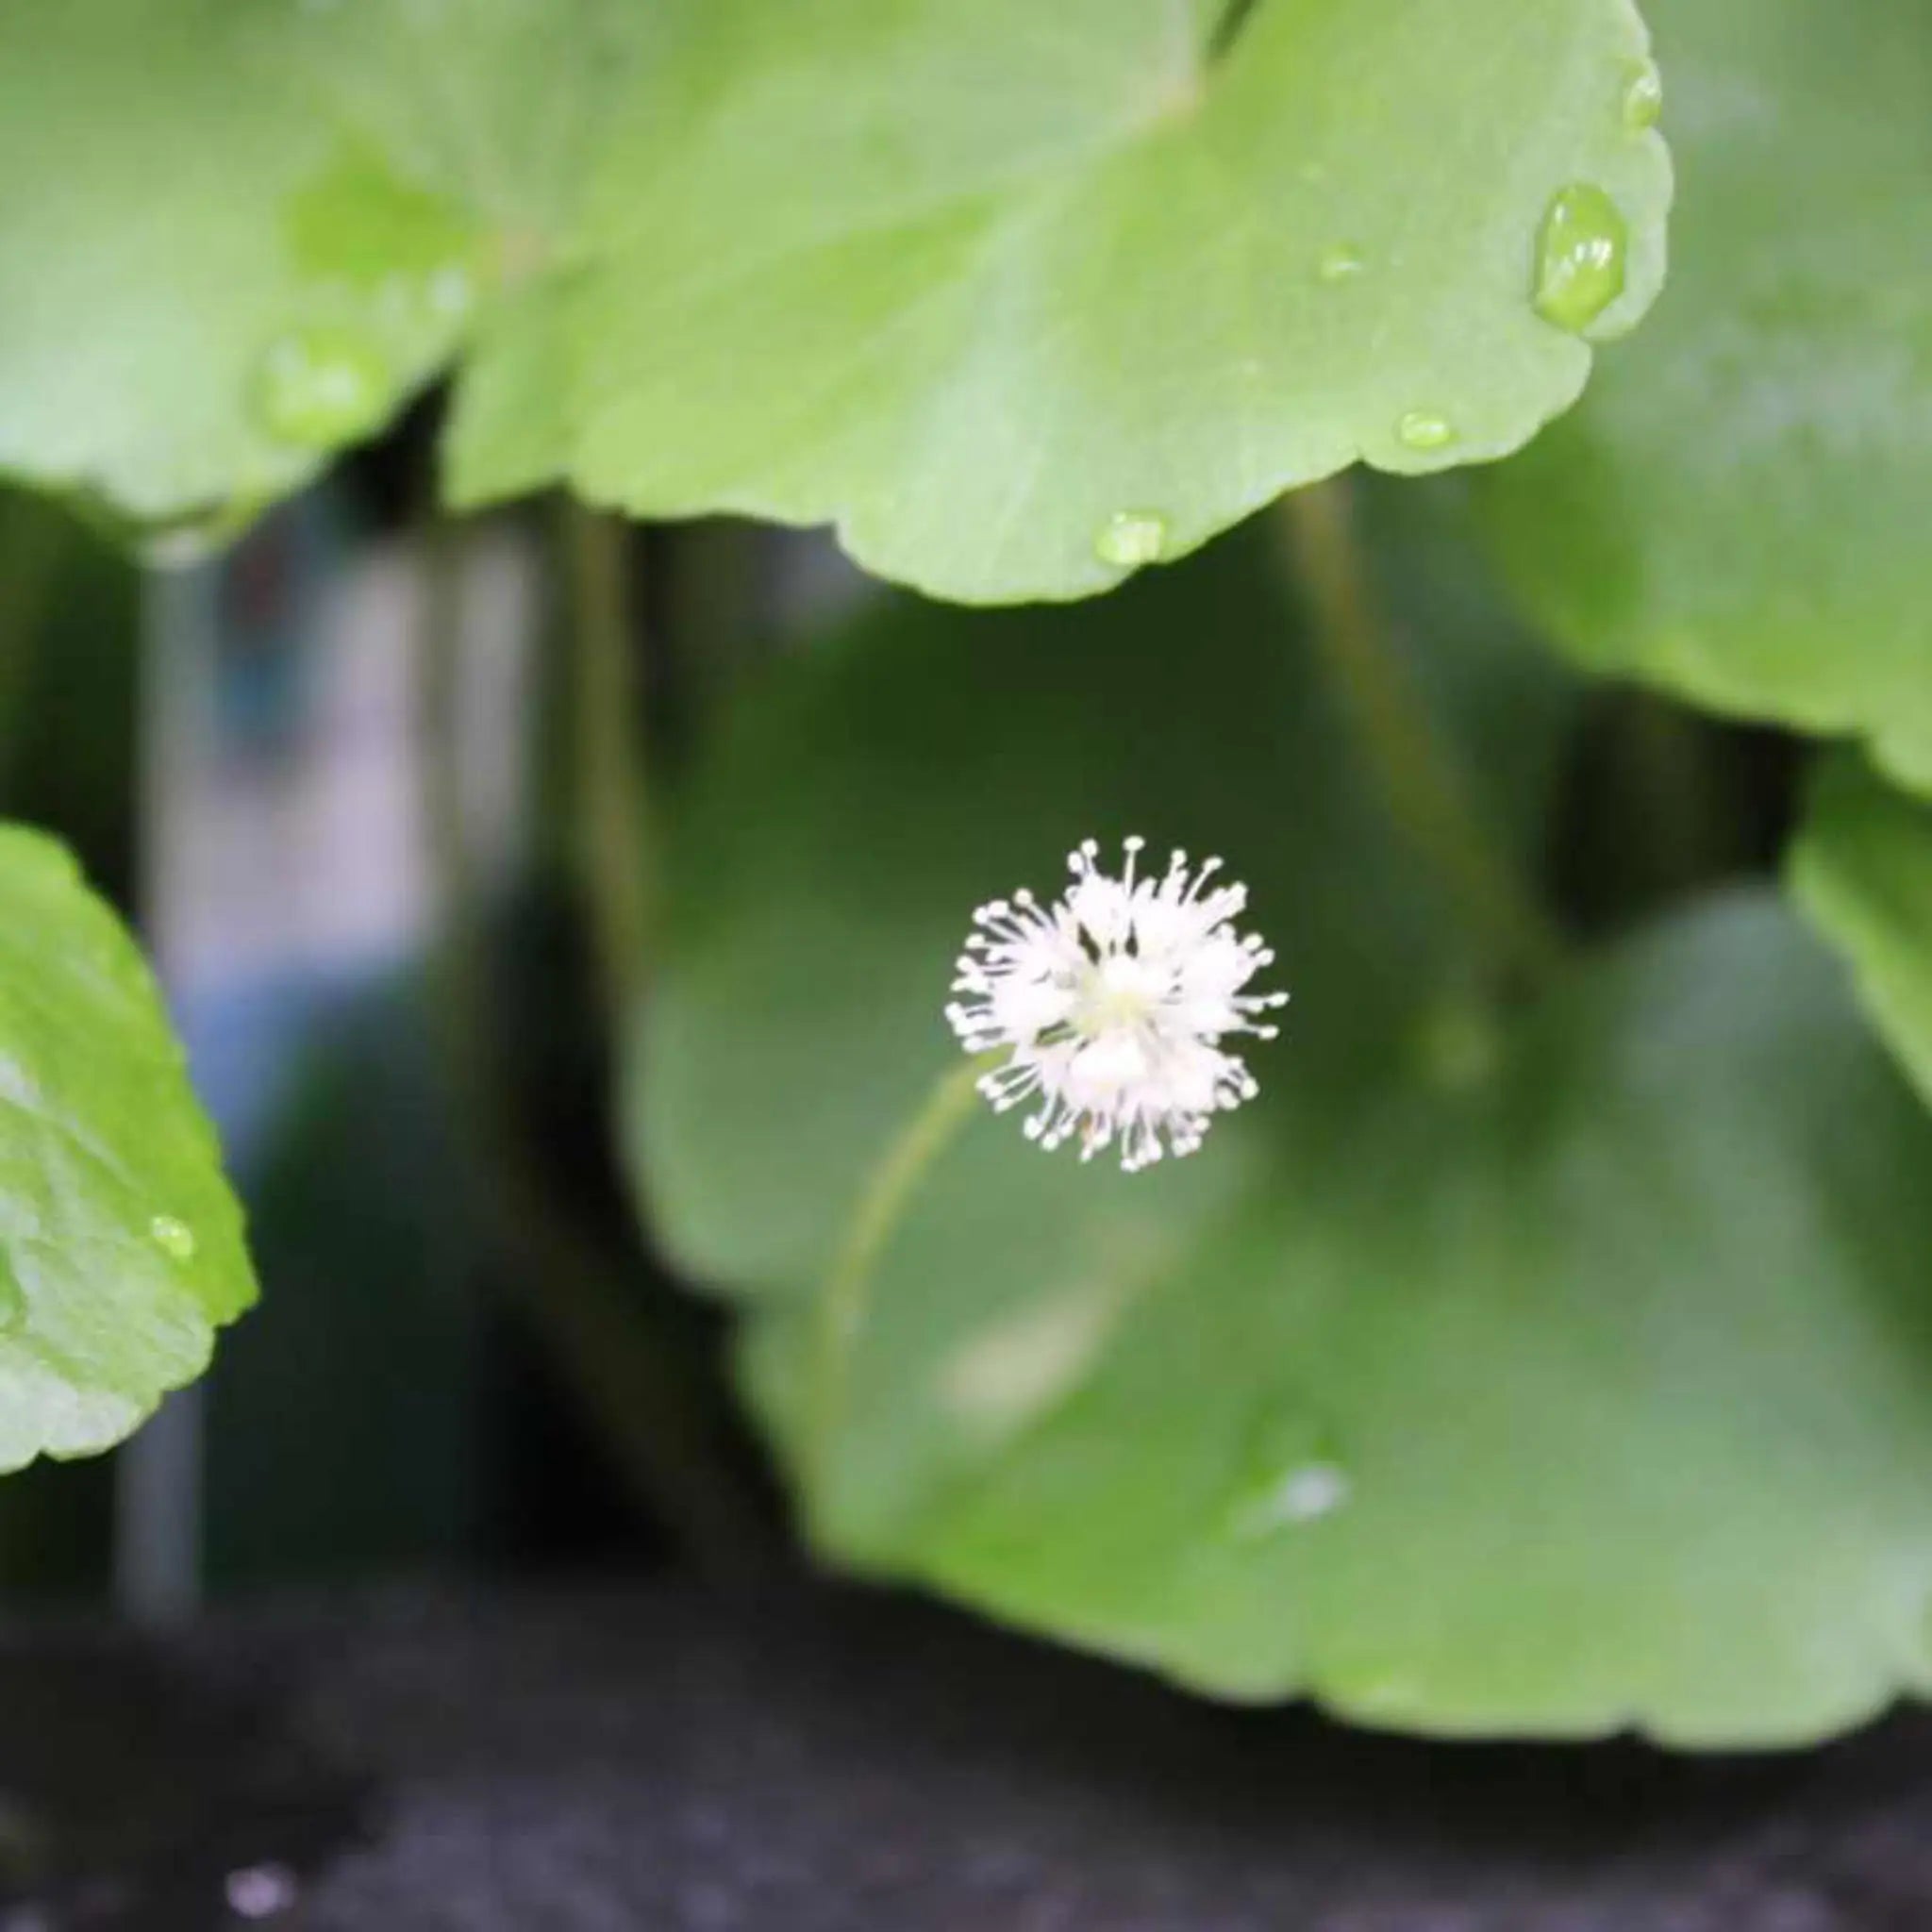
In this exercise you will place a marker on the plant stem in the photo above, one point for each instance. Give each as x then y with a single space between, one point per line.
599 1330
1425 791
840 1312
1227 29
615 842
33 546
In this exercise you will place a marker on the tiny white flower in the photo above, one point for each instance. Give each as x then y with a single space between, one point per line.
1113 1003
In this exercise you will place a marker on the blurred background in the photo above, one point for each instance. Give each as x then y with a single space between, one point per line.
325 774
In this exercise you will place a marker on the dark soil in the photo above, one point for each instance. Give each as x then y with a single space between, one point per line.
808 1762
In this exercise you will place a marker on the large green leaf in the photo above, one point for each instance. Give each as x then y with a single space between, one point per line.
233 238
1862 869
1025 296
121 1247
1021 295
1739 509
1581 1380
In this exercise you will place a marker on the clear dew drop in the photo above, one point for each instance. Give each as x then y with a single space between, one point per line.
1289 1476
1130 538
1342 263
1313 1490
1424 429
175 1237
174 543
171 541
320 385
1644 99
1581 257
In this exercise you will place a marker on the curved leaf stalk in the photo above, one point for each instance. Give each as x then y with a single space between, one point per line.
1424 790
1227 29
844 1301
615 839
33 548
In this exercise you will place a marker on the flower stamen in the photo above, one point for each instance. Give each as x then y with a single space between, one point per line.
1112 1004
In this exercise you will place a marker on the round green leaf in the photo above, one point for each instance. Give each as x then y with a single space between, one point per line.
1024 297
1548 1374
121 1246
1738 511
234 238
1862 869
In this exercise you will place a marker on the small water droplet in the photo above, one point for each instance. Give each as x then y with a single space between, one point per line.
170 543
1342 263
1643 98
1580 258
1424 429
1315 1490
1289 1475
175 1237
1130 538
322 386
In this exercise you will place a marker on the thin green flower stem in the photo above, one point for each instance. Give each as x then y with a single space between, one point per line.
1424 790
615 839
1227 29
35 548
839 1315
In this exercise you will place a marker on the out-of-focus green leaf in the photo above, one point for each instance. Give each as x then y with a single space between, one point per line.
1023 297
234 238
1738 511
1575 1377
121 1246
1863 870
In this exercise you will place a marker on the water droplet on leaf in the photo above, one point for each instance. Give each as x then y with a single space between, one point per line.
1289 1475
1580 258
322 386
1341 263
1424 429
179 543
1644 99
1130 538
170 542
175 1238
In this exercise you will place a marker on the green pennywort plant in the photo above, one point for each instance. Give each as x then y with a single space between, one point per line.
1549 1353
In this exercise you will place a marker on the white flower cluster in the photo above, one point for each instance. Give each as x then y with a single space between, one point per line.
1113 1002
